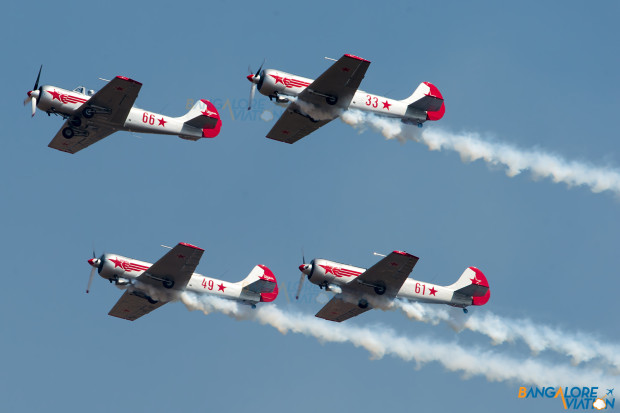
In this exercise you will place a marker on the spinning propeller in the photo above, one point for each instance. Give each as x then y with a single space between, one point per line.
34 94
254 78
306 269
97 264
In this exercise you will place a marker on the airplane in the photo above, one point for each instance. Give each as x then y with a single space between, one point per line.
315 103
90 117
359 290
610 392
149 286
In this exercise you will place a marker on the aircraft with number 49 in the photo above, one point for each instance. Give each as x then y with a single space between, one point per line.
149 286
90 117
358 289
318 102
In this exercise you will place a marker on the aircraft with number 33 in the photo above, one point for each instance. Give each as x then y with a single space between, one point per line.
359 290
318 102
90 117
149 286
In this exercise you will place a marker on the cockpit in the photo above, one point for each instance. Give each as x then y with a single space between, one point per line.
82 90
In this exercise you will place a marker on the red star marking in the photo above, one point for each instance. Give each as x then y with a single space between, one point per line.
394 264
386 105
220 287
277 78
119 88
474 280
162 122
328 269
345 69
285 132
181 256
117 263
55 95
432 291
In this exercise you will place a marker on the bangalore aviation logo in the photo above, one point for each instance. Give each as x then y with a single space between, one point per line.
572 398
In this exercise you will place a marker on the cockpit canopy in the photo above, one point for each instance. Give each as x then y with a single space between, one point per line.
82 90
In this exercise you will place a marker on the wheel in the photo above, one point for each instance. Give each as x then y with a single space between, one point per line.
168 283
88 112
331 100
75 122
380 289
363 303
68 133
465 310
151 300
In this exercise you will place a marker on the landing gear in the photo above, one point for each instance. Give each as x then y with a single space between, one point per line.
88 112
168 283
380 289
331 100
465 310
68 133
253 306
363 304
75 122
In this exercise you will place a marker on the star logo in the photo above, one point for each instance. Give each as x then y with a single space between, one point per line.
162 122
55 95
432 291
277 78
221 287
386 104
117 263
208 113
475 280
345 69
285 132
394 264
119 88
328 269
181 256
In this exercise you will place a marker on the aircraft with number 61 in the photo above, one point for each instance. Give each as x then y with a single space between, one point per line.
359 290
149 286
90 117
318 102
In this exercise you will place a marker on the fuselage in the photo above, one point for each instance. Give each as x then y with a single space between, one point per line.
66 103
274 83
125 271
327 274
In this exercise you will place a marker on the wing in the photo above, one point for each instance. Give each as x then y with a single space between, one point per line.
174 269
294 125
77 143
133 305
339 310
322 101
111 104
388 276
340 81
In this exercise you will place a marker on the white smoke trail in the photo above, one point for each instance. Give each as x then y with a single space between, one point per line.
380 341
471 147
579 346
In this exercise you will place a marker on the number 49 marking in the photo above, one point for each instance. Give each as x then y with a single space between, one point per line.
207 285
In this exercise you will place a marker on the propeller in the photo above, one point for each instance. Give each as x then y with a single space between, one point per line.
302 267
254 78
97 264
34 94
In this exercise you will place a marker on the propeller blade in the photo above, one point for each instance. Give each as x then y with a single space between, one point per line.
301 283
36 84
260 68
33 103
252 92
90 279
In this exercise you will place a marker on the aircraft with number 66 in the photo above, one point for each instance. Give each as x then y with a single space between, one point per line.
358 289
315 103
149 286
90 117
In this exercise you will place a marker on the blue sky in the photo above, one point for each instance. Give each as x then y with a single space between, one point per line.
535 75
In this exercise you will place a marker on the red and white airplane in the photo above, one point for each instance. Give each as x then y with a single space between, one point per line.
149 286
358 289
90 117
322 100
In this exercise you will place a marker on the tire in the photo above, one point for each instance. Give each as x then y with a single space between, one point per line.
168 283
67 133
88 112
150 300
380 289
363 304
331 100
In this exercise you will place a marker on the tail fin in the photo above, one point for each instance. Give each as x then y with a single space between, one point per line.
472 283
261 281
203 115
426 103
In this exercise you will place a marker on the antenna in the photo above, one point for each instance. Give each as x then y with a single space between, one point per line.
381 255
165 246
329 58
105 80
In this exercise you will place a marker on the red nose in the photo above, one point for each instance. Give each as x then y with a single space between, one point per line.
92 262
302 267
250 77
